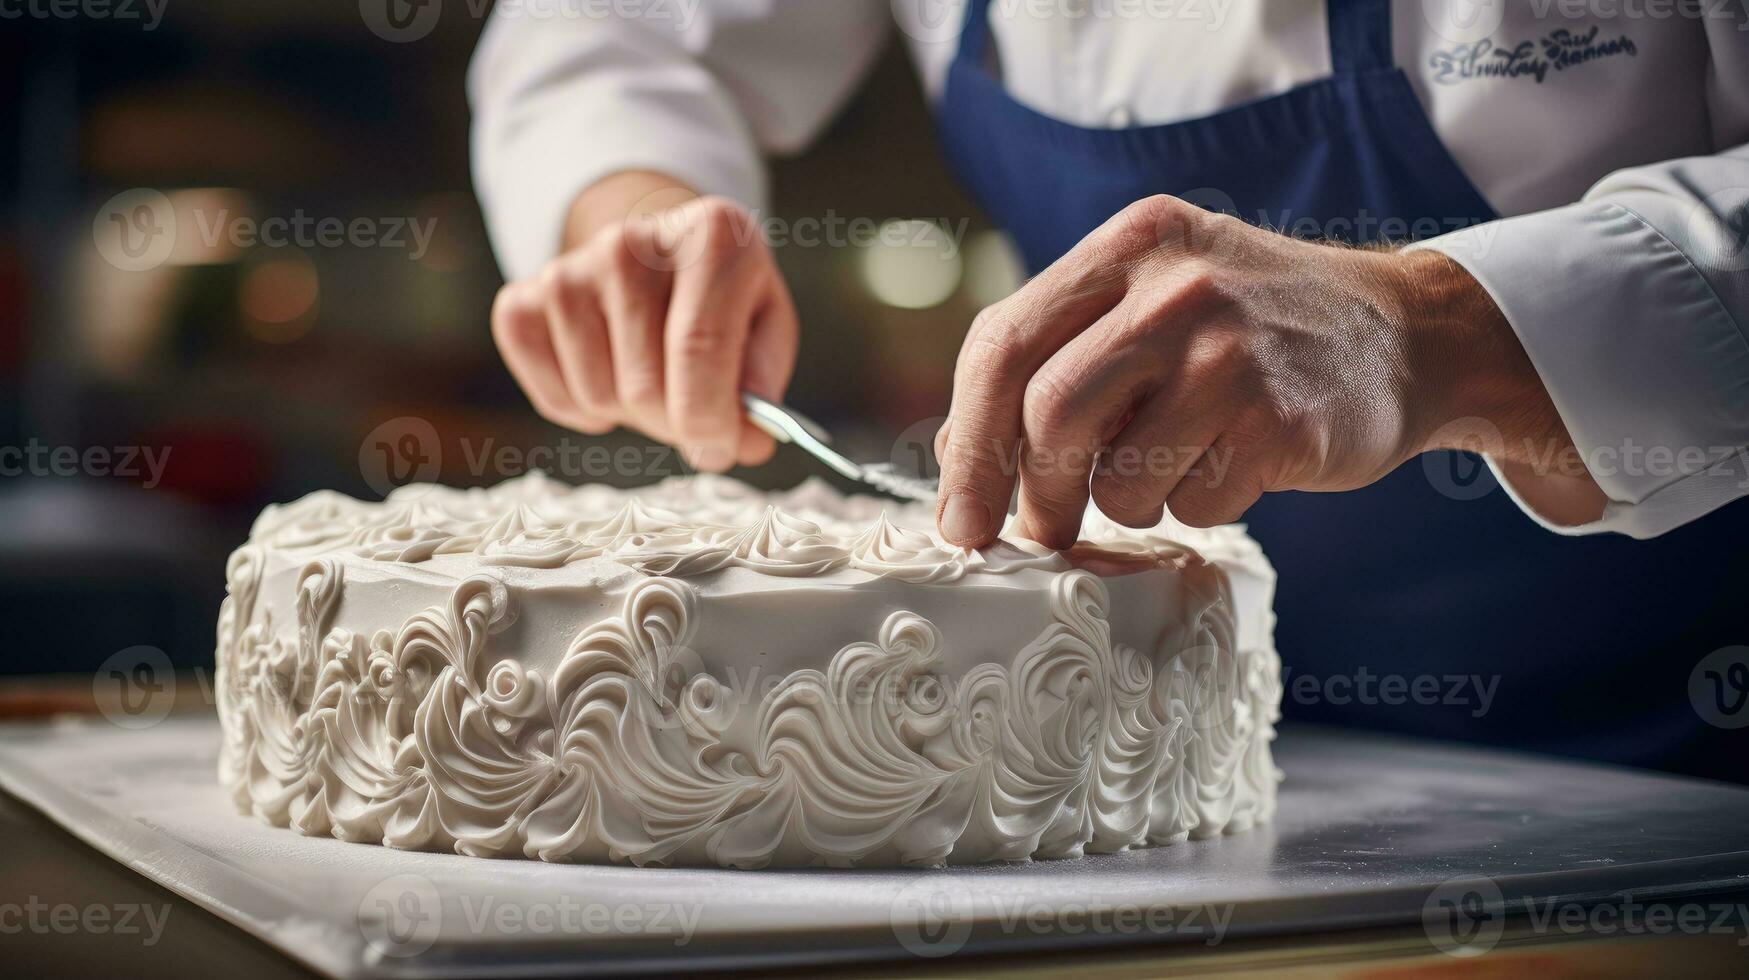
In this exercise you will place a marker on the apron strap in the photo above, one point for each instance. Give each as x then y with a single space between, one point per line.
1360 36
974 32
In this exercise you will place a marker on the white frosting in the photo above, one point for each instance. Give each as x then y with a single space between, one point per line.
699 673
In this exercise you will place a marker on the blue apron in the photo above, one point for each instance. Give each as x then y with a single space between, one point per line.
1425 603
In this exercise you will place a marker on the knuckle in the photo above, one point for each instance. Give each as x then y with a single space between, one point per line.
707 340
720 222
1233 364
1202 505
1267 418
1048 408
993 347
1128 500
611 238
1198 284
1141 215
641 387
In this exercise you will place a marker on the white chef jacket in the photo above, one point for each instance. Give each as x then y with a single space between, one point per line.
1618 157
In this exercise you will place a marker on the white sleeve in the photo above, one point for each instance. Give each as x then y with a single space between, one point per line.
566 92
1632 305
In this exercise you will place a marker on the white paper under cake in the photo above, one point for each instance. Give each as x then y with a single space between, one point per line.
698 673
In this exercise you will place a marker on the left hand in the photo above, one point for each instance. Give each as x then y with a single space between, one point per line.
1183 359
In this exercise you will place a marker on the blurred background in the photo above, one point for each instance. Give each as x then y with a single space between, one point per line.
157 391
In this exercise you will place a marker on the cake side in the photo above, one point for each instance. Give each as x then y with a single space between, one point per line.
686 675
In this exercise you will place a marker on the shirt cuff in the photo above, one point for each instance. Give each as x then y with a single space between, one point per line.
1642 361
528 176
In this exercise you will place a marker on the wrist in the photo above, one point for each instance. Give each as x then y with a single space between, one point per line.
1476 387
621 197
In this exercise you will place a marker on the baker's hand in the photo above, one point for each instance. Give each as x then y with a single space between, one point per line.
1183 359
664 306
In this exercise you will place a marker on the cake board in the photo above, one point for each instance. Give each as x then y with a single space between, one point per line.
1371 831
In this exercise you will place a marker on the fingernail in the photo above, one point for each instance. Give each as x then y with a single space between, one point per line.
964 519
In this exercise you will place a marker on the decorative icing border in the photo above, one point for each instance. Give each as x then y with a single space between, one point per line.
417 738
688 527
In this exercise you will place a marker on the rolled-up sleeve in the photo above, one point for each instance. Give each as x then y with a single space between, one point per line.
566 92
1632 306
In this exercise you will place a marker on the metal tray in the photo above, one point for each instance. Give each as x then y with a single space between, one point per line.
1372 831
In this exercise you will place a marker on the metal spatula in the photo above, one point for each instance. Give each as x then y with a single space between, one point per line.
785 424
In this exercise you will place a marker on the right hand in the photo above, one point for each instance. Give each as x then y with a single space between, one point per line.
662 309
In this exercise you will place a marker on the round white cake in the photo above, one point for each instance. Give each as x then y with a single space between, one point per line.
698 673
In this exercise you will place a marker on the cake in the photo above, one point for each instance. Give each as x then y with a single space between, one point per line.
698 673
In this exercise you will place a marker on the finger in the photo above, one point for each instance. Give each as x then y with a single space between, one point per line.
1072 407
579 336
770 361
1006 346
1144 463
634 297
519 328
1223 484
706 336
